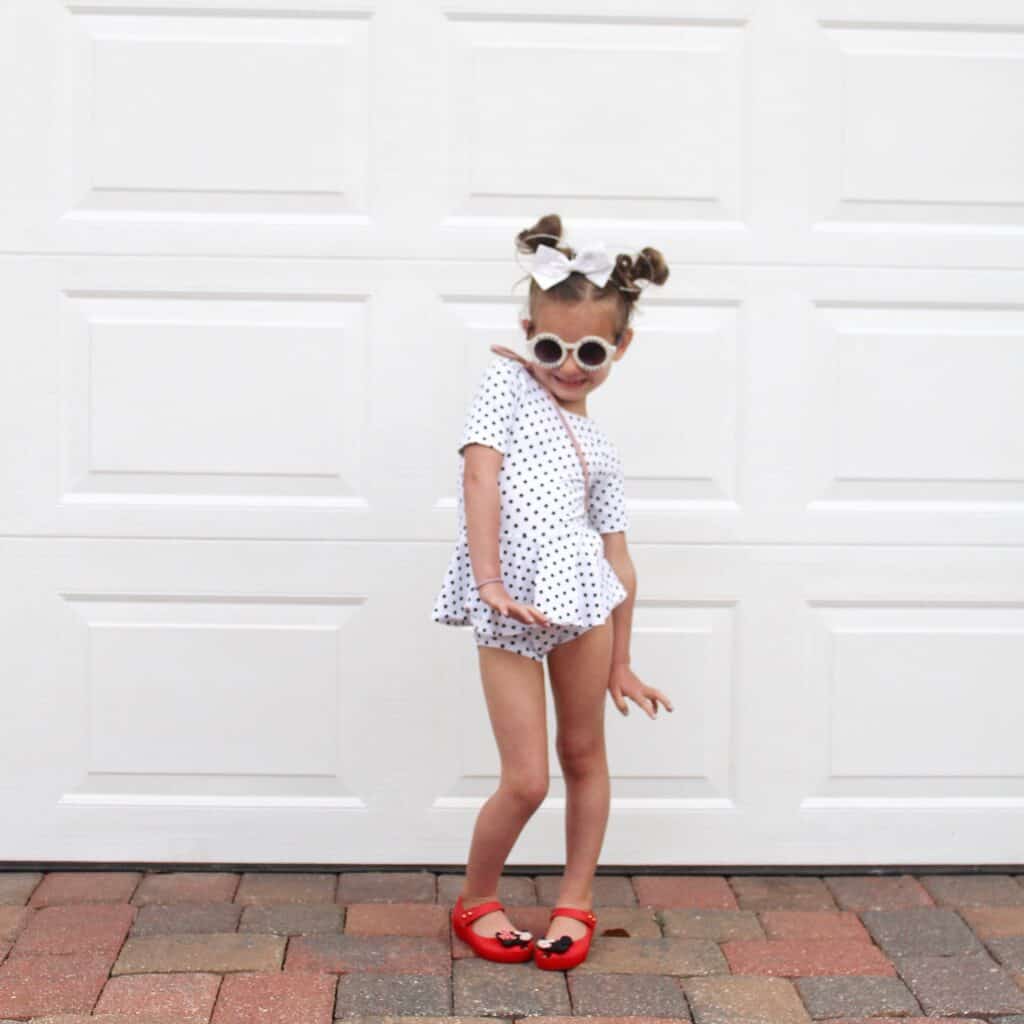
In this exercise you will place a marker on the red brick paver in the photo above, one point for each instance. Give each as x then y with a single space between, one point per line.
782 892
396 919
994 922
813 924
31 986
706 891
77 928
12 921
187 998
85 887
187 887
800 958
282 998
284 887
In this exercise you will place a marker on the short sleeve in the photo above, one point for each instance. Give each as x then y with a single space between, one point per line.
492 413
607 504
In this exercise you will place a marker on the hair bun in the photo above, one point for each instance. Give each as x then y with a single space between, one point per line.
648 265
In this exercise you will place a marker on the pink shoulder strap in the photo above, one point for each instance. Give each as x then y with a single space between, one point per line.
501 350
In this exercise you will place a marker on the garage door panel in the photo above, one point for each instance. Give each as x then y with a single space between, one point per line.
911 414
160 690
505 67
163 397
179 127
917 146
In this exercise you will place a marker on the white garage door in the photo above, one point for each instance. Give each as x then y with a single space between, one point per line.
253 254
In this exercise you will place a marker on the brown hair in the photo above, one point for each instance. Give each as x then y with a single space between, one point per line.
649 265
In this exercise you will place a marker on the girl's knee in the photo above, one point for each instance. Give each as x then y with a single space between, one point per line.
529 791
579 756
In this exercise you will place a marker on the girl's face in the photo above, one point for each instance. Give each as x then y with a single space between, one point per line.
572 321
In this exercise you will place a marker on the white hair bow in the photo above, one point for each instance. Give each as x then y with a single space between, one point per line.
551 265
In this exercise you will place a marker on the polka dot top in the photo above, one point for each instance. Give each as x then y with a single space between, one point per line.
549 538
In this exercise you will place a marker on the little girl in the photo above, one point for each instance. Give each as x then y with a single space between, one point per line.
540 564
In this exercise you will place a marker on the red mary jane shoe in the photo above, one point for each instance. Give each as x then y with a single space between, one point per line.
562 953
507 947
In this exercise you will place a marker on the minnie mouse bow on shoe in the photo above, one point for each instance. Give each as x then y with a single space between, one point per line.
508 946
564 952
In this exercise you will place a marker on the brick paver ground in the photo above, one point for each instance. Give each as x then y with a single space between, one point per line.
376 947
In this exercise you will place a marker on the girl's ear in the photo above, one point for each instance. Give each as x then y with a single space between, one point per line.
625 337
526 322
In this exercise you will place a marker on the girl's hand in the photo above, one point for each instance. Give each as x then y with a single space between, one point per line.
623 682
497 597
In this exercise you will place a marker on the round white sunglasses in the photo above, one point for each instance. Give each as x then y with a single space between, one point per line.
547 349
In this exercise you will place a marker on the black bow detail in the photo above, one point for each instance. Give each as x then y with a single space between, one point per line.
559 945
510 937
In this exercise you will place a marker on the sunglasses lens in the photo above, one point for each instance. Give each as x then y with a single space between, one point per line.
547 350
590 353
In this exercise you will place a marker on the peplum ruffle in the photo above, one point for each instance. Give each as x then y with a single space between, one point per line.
567 577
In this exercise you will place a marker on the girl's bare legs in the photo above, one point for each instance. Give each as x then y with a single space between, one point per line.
514 690
579 671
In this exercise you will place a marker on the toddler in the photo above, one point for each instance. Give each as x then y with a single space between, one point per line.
540 571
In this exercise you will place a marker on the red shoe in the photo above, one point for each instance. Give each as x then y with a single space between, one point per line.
565 952
507 947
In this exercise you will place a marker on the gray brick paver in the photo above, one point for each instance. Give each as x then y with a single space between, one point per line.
627 995
1009 952
653 956
483 988
185 918
968 984
969 890
215 953
513 890
398 995
718 925
383 954
16 886
920 931
387 887
857 996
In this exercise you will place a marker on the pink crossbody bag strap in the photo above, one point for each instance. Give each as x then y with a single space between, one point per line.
501 350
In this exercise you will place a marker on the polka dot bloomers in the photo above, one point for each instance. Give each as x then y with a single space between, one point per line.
549 540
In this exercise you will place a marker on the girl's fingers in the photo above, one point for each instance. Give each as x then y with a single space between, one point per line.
538 616
665 702
528 614
645 702
542 618
523 612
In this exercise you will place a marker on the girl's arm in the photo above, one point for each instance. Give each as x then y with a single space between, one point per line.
617 553
483 509
622 680
482 502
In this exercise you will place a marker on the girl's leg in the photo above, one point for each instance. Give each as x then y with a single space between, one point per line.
514 690
579 672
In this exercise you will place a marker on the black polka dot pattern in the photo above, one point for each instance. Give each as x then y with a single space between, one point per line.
549 541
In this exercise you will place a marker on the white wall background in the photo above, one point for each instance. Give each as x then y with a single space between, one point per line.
252 256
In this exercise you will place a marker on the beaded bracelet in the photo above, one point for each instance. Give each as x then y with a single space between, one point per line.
495 579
